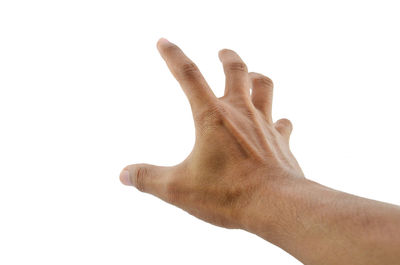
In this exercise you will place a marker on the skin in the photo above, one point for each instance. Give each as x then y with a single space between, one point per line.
242 174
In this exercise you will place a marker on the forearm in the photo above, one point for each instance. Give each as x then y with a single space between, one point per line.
319 225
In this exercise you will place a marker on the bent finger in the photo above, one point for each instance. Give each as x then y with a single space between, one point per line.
186 73
237 78
261 93
284 127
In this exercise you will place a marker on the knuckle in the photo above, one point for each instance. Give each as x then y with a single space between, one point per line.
140 174
237 66
189 70
211 117
250 114
264 80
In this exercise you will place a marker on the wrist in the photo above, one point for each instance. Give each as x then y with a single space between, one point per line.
276 209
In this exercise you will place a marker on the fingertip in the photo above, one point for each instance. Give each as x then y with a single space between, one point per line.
221 52
253 75
262 79
124 177
285 122
162 42
284 126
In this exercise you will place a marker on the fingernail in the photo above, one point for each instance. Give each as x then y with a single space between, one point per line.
124 178
163 41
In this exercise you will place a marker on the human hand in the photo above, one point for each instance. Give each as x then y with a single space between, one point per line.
242 174
239 153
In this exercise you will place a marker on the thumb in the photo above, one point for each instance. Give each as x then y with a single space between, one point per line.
284 127
145 177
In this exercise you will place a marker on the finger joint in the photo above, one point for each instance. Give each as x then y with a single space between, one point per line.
236 66
140 174
189 70
263 80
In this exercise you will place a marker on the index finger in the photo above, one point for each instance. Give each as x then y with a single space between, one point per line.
186 73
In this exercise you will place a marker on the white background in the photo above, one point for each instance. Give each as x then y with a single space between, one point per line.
84 92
